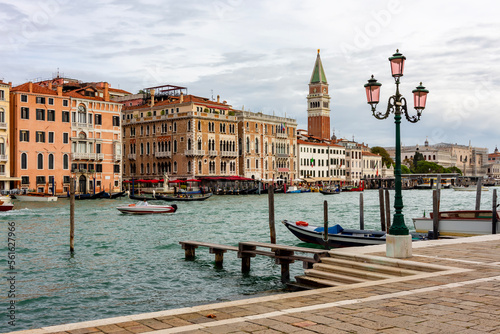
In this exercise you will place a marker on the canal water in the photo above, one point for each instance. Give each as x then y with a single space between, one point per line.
127 264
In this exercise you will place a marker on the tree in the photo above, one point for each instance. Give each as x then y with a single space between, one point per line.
386 158
405 170
455 169
416 158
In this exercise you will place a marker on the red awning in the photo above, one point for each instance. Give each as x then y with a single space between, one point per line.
193 180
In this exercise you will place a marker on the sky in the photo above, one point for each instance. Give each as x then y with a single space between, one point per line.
259 55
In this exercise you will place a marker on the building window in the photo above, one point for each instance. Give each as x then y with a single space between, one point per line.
116 168
98 119
65 162
40 137
24 161
51 161
40 161
25 113
65 103
175 127
97 148
51 137
40 100
51 101
24 135
116 121
65 116
40 115
24 98
65 138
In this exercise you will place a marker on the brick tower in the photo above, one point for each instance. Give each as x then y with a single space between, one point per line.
318 103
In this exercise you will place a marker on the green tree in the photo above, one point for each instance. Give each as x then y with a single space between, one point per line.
455 169
386 158
416 158
405 170
428 167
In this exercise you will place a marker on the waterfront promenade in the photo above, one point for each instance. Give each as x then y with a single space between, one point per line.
462 297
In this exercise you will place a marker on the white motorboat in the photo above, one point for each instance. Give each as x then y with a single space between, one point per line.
6 206
462 223
36 197
143 207
469 188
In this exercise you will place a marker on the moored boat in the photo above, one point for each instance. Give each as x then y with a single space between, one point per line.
184 197
142 208
462 223
469 188
36 197
330 191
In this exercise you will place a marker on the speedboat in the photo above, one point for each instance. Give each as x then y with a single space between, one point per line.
5 206
142 208
37 197
462 223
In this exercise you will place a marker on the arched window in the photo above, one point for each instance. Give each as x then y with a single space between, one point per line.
175 146
199 144
248 145
65 161
175 127
199 167
24 161
40 161
199 125
256 144
189 167
51 161
189 144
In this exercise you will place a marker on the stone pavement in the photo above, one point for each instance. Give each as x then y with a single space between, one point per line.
463 297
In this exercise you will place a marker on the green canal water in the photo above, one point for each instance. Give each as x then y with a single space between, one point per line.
126 264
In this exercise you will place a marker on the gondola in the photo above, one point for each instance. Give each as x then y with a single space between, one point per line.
183 197
89 196
330 191
142 198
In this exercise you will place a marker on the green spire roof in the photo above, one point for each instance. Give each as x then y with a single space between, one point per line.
318 74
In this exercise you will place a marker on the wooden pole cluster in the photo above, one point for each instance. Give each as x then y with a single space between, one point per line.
72 215
271 214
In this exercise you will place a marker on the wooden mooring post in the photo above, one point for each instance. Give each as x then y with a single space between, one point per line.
387 210
381 203
494 213
435 214
272 228
478 194
72 216
325 222
361 212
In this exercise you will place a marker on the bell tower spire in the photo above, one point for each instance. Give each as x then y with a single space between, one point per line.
318 103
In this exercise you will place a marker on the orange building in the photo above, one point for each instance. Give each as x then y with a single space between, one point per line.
57 134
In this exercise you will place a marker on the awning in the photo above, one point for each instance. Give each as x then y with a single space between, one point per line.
321 179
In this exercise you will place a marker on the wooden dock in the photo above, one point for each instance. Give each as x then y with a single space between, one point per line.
283 254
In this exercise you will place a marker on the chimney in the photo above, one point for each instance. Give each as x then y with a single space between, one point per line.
50 85
218 99
59 90
181 98
152 93
31 87
106 91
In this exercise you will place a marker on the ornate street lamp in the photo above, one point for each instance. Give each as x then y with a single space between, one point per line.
397 105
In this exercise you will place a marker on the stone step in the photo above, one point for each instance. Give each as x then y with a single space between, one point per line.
316 282
333 277
350 271
412 267
368 266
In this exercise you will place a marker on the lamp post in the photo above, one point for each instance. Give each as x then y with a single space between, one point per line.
398 240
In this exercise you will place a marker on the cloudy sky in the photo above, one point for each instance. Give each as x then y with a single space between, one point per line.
260 55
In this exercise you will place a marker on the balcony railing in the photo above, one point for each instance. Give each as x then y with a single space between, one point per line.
3 125
228 154
192 153
132 156
4 157
117 157
80 125
99 156
212 153
281 135
3 173
282 155
83 156
166 154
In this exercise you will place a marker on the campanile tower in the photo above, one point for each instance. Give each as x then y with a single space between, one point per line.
318 103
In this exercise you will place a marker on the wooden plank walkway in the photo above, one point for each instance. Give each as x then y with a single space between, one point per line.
283 254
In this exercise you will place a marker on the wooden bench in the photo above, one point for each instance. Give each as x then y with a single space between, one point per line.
284 255
219 250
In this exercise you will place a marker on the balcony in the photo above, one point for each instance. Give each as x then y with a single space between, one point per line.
282 155
3 173
194 153
166 154
212 153
99 156
4 157
281 135
132 156
80 125
228 154
3 125
116 157
83 156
